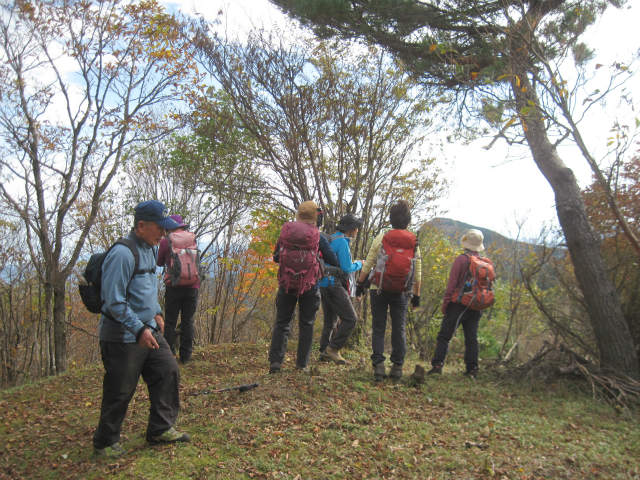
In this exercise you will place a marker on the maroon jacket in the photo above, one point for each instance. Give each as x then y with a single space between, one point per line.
456 277
163 258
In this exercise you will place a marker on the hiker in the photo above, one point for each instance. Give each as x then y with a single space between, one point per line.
131 340
456 313
334 290
392 270
297 252
178 254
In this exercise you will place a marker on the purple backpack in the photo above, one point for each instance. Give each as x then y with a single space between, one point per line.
299 265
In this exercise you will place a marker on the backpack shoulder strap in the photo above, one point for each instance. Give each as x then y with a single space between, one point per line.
133 246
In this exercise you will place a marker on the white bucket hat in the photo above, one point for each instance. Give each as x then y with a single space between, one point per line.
472 240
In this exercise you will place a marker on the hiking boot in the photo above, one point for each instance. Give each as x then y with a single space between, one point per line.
472 372
274 367
112 451
302 369
324 357
396 371
378 372
335 356
435 370
170 436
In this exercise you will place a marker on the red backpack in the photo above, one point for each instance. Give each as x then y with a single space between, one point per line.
183 266
299 260
395 265
477 290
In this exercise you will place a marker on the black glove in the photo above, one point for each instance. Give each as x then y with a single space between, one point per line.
415 301
360 287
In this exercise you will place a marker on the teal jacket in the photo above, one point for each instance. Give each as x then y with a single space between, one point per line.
340 245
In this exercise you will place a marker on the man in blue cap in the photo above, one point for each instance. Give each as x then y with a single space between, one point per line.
131 340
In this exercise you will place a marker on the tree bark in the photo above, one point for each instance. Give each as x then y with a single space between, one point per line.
617 352
60 326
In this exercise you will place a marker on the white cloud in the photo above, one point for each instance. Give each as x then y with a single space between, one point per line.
236 17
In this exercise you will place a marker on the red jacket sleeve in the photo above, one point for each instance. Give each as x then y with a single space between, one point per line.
456 278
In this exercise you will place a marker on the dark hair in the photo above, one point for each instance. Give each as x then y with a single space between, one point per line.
400 214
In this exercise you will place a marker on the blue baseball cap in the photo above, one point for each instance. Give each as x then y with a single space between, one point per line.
155 211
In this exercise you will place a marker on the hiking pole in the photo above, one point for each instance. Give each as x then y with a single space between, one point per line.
239 388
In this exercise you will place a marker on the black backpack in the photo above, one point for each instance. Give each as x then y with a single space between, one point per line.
90 291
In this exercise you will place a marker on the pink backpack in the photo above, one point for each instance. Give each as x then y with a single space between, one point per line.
299 261
182 269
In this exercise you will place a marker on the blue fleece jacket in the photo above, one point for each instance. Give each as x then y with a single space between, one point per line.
340 245
137 309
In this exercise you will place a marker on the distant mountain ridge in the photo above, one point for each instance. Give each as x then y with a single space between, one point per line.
454 229
494 243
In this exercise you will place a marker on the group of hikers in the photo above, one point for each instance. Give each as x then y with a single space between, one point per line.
137 338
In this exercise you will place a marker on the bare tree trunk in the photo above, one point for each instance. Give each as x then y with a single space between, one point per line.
59 326
48 321
612 334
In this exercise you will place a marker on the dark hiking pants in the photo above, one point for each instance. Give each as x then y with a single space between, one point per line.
336 303
457 314
123 364
396 304
308 304
180 300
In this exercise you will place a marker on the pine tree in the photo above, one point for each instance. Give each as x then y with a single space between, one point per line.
502 49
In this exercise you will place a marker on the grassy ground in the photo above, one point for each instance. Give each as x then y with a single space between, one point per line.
330 423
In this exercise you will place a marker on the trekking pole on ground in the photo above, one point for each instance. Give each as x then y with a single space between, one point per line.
239 388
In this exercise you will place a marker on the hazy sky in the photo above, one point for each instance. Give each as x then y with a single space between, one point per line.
514 191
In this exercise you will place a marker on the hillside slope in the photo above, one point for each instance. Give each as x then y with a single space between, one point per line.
330 423
454 229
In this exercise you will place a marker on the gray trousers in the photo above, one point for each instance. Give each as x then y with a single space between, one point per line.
336 303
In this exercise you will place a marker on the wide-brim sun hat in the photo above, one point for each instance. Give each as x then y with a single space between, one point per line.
473 240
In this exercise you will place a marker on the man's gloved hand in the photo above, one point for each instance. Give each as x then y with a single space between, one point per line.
360 288
415 301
